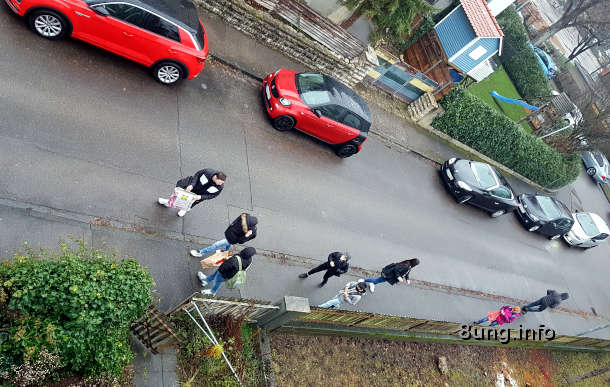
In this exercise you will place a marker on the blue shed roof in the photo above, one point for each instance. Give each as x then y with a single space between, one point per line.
454 31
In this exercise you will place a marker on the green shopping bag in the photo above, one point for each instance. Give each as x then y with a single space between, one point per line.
238 279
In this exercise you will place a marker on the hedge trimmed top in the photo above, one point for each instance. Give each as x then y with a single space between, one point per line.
478 125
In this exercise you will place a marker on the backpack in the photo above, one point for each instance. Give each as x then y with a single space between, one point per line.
238 279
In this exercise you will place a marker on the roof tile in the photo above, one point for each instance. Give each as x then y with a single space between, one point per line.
482 21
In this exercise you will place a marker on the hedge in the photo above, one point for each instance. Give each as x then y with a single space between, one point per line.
476 124
74 305
519 59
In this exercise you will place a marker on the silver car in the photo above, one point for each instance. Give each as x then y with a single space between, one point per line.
597 166
589 230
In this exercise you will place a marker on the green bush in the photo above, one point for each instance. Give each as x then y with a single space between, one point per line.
519 59
478 125
393 18
76 303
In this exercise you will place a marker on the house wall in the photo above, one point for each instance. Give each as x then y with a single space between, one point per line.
465 63
454 32
497 6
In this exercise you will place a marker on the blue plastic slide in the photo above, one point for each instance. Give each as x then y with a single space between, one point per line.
512 100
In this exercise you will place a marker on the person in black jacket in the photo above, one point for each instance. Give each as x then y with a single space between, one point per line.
337 264
207 184
551 300
240 231
226 271
395 272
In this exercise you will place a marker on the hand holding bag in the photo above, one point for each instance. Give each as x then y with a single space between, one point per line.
216 259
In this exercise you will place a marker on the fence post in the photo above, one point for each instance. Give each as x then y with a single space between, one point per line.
290 309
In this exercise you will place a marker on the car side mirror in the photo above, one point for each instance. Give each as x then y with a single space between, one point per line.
317 112
100 10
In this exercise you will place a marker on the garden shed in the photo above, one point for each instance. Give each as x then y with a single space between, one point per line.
470 35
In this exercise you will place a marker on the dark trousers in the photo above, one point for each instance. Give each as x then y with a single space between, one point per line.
538 305
325 266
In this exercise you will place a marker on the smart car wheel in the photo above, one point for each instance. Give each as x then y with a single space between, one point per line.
283 123
48 24
497 213
534 228
555 237
591 171
464 199
346 150
168 73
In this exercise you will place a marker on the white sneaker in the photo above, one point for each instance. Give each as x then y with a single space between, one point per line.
181 213
372 287
202 277
207 292
163 202
196 253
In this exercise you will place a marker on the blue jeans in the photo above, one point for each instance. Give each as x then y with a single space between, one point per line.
222 244
375 281
484 319
216 280
332 303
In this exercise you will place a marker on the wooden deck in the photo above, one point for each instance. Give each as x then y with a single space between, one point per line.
427 56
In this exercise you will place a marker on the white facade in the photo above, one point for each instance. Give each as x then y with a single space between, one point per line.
497 6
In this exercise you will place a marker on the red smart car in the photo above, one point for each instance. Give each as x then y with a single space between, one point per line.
164 35
319 106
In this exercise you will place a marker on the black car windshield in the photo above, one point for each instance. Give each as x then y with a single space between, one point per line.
484 175
548 207
587 224
312 89
199 36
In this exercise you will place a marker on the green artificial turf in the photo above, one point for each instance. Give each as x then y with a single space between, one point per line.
501 83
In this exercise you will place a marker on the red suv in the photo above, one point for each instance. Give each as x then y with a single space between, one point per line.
164 35
319 106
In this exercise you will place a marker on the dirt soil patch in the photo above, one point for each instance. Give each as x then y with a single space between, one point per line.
300 360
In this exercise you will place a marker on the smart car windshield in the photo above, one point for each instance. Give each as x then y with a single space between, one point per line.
312 89
587 224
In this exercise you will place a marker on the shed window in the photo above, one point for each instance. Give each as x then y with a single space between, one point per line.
477 52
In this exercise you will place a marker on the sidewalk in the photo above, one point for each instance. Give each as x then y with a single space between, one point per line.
272 274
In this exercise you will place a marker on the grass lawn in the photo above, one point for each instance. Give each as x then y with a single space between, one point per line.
501 83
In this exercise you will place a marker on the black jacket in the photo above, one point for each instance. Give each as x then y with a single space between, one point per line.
206 189
230 267
235 233
552 299
340 267
393 271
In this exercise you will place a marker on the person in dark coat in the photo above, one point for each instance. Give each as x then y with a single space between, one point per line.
551 300
240 231
206 184
227 270
395 272
336 265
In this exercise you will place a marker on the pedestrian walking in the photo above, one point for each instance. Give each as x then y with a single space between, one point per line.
395 272
551 300
241 230
206 184
352 294
506 315
227 271
336 265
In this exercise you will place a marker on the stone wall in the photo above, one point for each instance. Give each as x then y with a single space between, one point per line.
275 34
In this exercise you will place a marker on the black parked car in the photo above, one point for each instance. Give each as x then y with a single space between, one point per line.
546 215
478 184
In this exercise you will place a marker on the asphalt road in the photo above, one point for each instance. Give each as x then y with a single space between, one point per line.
85 131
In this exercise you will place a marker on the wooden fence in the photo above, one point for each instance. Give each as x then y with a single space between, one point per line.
359 320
